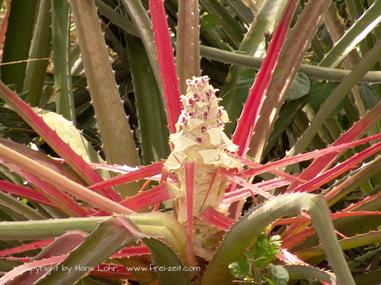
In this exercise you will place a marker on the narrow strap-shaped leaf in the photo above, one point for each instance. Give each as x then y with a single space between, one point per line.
4 25
60 39
139 17
244 234
249 115
217 219
59 199
49 135
243 193
332 74
60 246
164 257
40 48
334 216
149 104
158 225
25 247
17 42
118 143
331 151
34 265
141 173
356 241
24 192
60 181
187 42
355 131
334 172
291 57
336 96
147 198
18 209
230 26
253 44
358 31
165 58
107 238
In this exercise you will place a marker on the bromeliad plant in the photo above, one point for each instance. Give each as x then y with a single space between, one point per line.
178 220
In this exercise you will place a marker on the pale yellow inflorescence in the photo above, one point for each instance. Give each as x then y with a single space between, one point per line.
200 138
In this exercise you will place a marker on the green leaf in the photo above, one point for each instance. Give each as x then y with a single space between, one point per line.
240 269
245 232
279 275
60 40
150 110
115 131
18 38
209 21
231 27
299 88
168 265
357 32
265 250
40 48
319 93
233 93
13 127
107 238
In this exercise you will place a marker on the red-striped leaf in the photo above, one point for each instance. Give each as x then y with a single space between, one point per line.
25 247
217 219
339 169
132 251
147 198
75 161
24 192
331 150
141 173
169 82
257 93
321 163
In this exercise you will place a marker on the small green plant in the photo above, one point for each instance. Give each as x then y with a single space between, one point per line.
258 261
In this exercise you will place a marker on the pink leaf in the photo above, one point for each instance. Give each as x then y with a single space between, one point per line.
147 198
141 173
339 169
24 192
243 193
295 240
132 251
249 115
334 216
81 167
33 266
289 258
331 150
25 247
241 181
321 163
217 219
61 246
60 199
166 61
363 202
